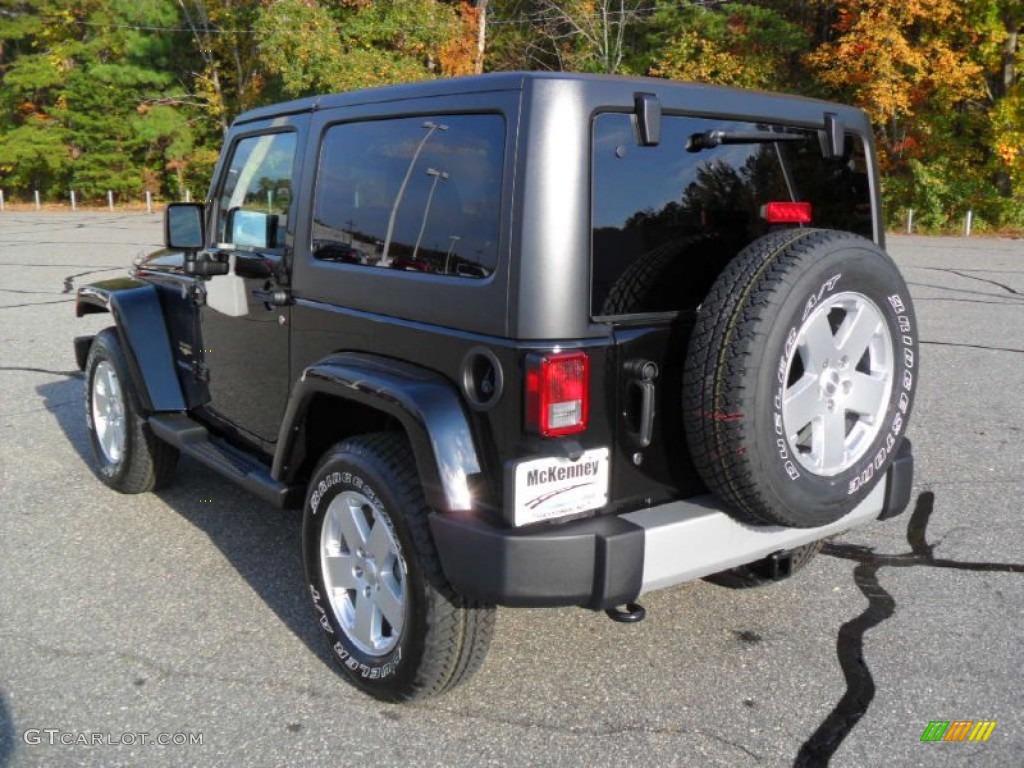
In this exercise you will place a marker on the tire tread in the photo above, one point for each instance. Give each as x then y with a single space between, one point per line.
459 630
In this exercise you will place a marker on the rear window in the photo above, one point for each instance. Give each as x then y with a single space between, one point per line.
687 212
419 194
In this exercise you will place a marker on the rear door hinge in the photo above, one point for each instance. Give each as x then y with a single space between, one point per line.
201 372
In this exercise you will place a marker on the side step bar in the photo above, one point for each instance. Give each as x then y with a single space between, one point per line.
192 438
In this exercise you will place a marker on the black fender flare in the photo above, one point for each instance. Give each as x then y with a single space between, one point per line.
135 306
426 405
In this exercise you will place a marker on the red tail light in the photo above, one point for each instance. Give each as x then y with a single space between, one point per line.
558 393
787 213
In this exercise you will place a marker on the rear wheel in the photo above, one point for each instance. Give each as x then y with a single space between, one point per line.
800 377
129 457
395 626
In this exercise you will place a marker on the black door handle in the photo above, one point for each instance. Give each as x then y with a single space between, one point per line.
643 373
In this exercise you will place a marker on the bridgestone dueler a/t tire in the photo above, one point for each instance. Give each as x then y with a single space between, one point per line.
443 637
745 362
145 463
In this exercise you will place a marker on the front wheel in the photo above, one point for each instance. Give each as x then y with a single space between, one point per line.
393 623
130 458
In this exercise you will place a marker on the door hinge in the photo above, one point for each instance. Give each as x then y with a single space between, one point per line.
201 372
198 294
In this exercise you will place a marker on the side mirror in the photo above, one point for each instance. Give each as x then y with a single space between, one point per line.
184 230
184 227
252 229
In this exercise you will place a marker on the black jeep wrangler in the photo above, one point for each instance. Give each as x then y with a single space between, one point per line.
521 339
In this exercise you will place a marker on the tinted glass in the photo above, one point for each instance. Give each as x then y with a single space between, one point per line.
419 194
684 214
259 181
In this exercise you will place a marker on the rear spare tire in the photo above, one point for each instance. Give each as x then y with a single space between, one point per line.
800 376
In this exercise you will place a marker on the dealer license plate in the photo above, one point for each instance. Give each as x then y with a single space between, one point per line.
556 487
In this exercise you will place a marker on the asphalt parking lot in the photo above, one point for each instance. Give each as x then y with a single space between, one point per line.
184 612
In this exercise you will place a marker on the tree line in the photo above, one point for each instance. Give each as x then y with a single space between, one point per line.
136 95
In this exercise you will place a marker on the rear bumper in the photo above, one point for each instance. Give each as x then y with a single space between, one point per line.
607 561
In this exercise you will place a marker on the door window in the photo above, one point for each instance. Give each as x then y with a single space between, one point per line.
252 210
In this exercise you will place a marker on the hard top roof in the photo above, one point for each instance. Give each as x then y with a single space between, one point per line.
616 85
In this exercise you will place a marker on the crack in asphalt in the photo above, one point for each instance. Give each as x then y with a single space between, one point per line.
963 273
982 271
148 244
919 299
29 369
162 671
36 304
860 684
618 729
1012 300
60 266
970 346
48 408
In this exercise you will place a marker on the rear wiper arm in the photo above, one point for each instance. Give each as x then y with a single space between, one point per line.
712 139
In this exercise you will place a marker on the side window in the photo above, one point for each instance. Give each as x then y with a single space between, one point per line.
252 210
665 220
419 194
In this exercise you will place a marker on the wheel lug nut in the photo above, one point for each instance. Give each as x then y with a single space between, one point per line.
831 405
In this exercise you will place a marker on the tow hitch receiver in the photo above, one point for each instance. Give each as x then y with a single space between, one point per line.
779 565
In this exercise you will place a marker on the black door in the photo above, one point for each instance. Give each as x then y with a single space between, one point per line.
245 349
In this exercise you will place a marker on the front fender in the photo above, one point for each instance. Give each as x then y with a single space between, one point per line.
424 403
135 306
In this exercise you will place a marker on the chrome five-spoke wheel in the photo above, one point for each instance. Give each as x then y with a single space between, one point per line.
108 412
839 380
364 573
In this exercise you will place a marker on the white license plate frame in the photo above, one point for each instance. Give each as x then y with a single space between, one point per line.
552 487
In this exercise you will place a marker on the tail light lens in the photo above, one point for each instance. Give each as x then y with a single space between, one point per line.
787 213
558 393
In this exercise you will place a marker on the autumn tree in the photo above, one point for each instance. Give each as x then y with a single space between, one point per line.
312 47
738 44
74 77
569 35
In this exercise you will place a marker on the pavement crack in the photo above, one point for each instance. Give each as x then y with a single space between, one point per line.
996 283
29 369
860 685
161 671
36 304
998 303
608 729
61 266
971 346
1004 299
